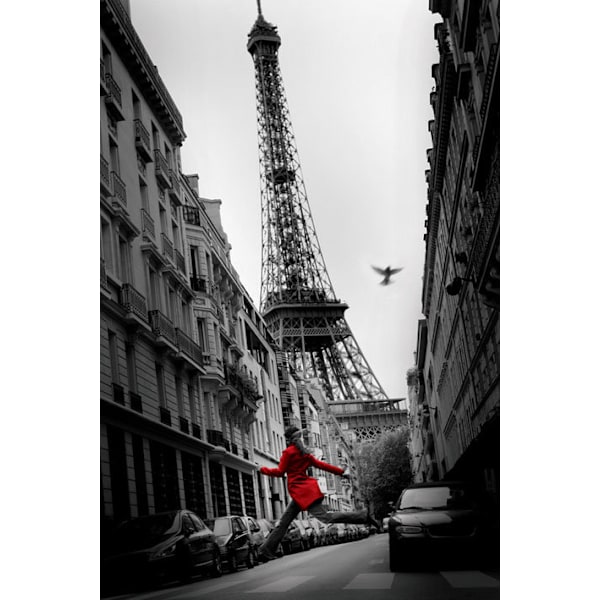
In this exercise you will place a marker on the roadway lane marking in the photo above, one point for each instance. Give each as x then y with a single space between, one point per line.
282 585
212 588
469 579
371 581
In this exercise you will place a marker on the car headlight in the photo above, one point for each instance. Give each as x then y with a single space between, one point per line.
168 551
409 529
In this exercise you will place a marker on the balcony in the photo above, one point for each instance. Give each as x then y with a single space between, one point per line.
199 284
103 276
142 141
105 181
180 261
161 170
119 189
103 88
184 425
162 328
113 98
189 347
118 394
133 302
175 189
215 437
167 247
196 432
165 416
135 400
147 225
191 215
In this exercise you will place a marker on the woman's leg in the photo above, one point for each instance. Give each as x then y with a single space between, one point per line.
318 510
269 546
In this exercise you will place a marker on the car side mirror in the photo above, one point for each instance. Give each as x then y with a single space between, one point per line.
188 531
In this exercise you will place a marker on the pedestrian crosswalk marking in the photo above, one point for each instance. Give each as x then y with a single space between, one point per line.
371 581
282 585
469 579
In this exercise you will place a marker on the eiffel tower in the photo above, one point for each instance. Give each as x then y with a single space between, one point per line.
297 299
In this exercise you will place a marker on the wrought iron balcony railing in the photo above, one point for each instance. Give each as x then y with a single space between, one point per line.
113 98
119 189
147 223
132 301
142 141
161 170
167 246
188 346
199 284
105 181
162 326
191 214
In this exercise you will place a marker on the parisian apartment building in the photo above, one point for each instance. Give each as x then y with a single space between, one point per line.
194 393
454 389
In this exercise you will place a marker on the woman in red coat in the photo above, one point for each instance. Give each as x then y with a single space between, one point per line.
304 490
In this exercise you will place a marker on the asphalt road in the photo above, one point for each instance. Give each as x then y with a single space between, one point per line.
351 571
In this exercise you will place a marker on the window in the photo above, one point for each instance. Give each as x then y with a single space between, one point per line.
106 244
114 157
202 341
131 368
144 195
160 384
155 137
179 394
106 58
154 283
114 355
125 261
194 261
137 113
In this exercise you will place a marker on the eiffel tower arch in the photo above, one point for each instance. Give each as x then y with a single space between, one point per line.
297 299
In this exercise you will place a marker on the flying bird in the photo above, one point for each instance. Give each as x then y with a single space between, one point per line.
387 273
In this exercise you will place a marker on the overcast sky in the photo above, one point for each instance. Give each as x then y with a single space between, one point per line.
357 78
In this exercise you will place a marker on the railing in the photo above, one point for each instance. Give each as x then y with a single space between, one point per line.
191 215
196 431
105 175
187 345
198 284
147 223
118 393
184 425
161 168
167 247
162 326
180 261
142 140
215 437
175 185
136 401
165 416
113 88
133 301
119 189
103 277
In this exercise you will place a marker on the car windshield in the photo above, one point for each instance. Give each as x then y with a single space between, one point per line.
145 532
430 498
219 526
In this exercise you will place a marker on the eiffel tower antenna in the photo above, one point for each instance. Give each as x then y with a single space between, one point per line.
297 299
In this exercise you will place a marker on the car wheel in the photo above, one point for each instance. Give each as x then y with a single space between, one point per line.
251 560
233 563
216 569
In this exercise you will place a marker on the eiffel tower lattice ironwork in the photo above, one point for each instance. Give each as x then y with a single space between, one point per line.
297 299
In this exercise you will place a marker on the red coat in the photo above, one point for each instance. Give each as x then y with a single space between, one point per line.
303 489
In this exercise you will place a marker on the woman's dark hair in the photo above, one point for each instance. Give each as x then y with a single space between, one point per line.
289 434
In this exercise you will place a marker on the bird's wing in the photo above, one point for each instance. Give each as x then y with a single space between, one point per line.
392 271
378 270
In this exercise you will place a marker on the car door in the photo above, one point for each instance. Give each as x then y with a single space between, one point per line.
240 539
193 537
204 544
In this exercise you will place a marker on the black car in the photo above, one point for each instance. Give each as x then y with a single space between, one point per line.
448 522
148 550
235 543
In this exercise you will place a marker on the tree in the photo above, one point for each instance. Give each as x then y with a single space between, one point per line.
384 470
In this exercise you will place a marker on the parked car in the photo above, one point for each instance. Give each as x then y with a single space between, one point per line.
266 526
446 521
336 533
147 550
257 537
311 534
319 529
363 531
294 538
235 543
